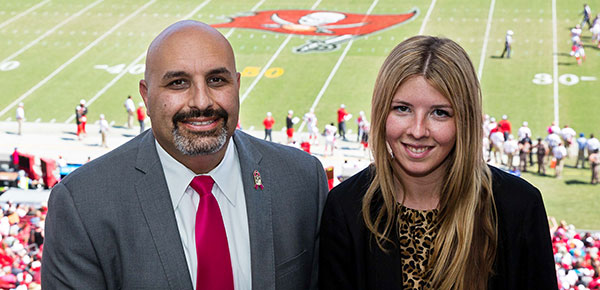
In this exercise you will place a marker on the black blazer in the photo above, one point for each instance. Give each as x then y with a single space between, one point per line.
350 259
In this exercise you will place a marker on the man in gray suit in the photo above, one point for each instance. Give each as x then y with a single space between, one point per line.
127 220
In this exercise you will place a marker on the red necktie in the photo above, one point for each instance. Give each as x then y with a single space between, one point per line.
212 250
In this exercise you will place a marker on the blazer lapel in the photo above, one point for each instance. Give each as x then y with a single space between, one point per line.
155 202
386 266
260 223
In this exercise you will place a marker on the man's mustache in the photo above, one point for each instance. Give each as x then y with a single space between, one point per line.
195 113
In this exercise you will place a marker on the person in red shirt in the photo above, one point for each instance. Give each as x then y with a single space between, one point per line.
268 122
141 116
342 121
505 126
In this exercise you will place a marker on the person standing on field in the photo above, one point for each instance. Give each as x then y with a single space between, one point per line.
507 44
104 127
581 144
20 116
342 121
289 125
268 123
130 108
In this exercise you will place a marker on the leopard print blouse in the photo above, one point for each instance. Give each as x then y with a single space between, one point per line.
416 243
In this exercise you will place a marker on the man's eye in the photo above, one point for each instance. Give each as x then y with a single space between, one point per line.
216 80
177 83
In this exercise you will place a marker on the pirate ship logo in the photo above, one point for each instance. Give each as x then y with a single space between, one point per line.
337 27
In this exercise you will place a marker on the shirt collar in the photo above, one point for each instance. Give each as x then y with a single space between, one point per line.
178 176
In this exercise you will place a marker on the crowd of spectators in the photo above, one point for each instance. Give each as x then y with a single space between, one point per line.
21 244
576 257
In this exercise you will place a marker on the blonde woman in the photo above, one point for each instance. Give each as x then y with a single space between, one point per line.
429 213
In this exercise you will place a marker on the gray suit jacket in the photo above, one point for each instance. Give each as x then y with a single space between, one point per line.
111 224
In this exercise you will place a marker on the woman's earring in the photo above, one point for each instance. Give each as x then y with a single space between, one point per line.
389 149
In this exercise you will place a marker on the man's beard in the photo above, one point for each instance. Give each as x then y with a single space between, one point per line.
200 143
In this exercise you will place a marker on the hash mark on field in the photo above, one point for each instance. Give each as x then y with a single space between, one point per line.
32 8
74 58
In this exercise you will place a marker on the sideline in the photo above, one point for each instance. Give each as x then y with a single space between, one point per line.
485 39
266 67
34 42
335 69
129 66
7 22
74 58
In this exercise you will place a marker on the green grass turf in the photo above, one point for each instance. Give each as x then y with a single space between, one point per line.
507 84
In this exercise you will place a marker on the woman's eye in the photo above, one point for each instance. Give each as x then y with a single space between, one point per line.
441 113
401 108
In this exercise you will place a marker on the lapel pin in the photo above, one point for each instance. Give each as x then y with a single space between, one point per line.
257 180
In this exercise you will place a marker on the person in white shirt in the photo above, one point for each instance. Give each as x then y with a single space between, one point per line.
497 140
311 124
552 140
330 131
507 44
567 133
130 108
559 152
103 124
192 203
20 116
360 121
511 147
524 131
592 144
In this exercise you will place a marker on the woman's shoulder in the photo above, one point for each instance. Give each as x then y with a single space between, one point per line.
512 191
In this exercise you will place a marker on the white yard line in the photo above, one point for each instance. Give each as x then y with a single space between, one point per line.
24 13
266 67
230 32
34 42
134 62
485 39
555 62
74 58
334 70
426 19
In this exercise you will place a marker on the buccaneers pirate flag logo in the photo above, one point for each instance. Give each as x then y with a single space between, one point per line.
337 26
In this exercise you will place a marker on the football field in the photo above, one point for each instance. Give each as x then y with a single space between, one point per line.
298 55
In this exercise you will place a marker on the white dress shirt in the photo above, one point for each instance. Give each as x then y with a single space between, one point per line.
229 193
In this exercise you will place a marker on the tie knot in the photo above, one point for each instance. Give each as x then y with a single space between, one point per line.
202 184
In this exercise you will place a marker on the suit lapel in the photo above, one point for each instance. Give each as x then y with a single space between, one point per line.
258 204
155 202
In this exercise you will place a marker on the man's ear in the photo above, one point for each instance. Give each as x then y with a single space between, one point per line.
143 87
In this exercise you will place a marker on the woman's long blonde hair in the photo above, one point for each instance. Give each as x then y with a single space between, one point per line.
465 246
